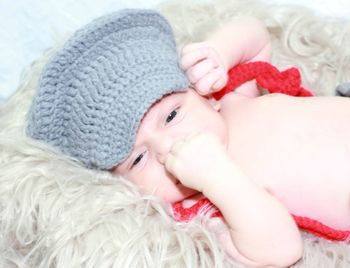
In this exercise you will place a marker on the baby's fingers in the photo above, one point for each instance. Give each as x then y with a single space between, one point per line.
212 82
192 57
196 72
193 46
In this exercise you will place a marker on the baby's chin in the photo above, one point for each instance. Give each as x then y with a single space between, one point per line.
177 194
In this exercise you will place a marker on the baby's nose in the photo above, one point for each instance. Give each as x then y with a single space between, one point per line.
163 146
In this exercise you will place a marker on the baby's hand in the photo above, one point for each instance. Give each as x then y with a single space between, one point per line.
204 67
196 160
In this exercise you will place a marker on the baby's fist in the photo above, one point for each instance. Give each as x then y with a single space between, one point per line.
196 159
204 67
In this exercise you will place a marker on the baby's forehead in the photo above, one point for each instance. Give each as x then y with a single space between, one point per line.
162 103
167 98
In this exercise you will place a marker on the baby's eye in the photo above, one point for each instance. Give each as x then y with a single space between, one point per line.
137 160
172 115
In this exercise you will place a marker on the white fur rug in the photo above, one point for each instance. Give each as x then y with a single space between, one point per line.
54 213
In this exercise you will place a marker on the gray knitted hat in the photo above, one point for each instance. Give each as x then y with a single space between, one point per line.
94 92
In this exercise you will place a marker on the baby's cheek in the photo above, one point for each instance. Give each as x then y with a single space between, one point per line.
152 178
139 180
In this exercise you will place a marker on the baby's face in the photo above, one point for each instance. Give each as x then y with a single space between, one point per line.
167 121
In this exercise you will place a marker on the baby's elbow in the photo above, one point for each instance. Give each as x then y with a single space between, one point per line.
295 255
285 255
289 254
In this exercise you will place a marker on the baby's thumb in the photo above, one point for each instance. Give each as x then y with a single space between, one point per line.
170 163
174 167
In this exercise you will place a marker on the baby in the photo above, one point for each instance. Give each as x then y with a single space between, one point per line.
114 98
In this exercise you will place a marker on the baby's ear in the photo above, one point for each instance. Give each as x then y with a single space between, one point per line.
214 103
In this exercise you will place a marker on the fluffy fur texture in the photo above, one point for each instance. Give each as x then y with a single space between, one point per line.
55 213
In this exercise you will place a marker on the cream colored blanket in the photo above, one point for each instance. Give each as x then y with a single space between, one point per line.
54 213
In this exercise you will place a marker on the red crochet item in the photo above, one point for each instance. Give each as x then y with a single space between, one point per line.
269 78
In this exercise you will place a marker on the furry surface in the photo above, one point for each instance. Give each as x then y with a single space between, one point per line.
54 213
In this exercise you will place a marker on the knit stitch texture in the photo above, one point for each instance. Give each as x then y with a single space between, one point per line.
94 92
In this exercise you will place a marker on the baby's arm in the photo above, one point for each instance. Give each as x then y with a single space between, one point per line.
262 232
246 39
242 40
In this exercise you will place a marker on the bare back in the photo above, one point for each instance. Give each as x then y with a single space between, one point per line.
296 148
